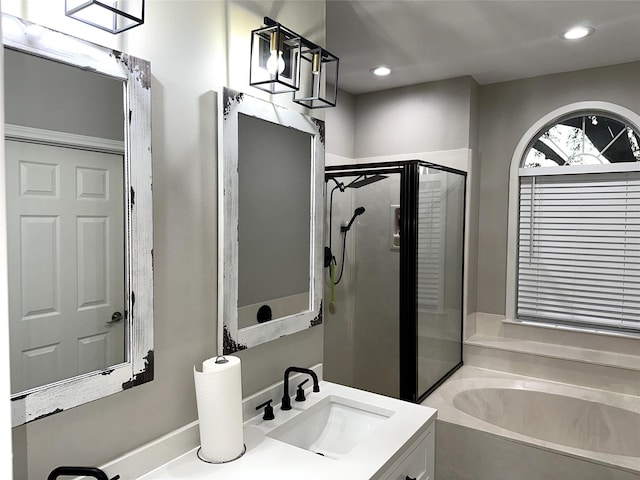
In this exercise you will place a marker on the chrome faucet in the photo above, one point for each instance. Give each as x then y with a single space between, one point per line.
286 399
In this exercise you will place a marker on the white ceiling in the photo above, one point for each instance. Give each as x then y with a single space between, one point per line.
493 41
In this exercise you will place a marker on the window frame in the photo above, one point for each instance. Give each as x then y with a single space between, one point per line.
605 108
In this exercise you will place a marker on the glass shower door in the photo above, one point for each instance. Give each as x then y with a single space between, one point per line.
439 262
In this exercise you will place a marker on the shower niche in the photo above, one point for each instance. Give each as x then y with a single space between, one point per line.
395 233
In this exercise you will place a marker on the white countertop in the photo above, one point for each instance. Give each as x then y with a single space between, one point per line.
267 458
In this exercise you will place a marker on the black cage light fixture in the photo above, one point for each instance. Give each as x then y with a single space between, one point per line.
283 61
318 78
115 16
275 58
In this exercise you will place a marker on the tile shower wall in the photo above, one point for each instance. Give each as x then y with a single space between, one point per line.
376 289
339 354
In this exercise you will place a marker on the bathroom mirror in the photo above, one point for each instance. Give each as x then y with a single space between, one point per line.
270 232
79 220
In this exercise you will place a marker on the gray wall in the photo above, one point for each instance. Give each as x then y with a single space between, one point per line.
421 118
194 48
473 205
507 110
341 125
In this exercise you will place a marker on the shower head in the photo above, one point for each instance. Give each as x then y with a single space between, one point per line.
363 180
357 211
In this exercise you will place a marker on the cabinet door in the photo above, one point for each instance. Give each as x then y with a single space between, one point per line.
419 465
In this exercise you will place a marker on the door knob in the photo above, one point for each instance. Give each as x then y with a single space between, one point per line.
115 318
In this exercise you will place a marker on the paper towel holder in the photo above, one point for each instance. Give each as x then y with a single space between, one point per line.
244 450
221 359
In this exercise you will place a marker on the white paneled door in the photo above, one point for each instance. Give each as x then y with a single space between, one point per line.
65 222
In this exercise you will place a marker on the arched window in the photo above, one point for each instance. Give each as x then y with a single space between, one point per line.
577 246
584 139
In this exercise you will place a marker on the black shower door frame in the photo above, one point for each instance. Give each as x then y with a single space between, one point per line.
408 288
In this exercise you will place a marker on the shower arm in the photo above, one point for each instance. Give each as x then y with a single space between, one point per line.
339 185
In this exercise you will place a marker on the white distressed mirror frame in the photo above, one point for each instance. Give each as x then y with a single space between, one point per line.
230 337
49 399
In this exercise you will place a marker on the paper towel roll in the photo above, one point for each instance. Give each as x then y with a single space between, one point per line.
219 398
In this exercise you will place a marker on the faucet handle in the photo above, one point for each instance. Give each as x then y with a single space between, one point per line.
268 410
300 392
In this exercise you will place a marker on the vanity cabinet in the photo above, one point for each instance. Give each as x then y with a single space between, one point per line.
417 462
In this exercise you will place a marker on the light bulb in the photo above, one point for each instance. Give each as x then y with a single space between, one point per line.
275 63
315 64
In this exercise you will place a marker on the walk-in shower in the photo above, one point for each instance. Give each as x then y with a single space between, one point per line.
394 258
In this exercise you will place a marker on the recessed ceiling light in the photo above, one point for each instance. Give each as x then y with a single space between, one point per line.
578 32
381 71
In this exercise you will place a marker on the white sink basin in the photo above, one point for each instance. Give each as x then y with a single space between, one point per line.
332 427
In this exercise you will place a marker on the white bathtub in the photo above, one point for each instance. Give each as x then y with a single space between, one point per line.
539 426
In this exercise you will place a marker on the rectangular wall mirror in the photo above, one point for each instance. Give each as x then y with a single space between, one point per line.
79 222
270 233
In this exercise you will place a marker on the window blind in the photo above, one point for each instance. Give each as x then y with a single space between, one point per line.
579 249
431 242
